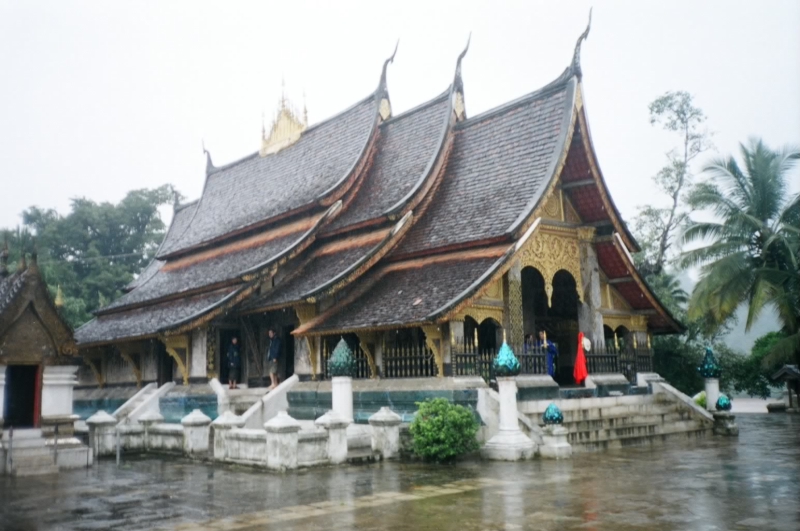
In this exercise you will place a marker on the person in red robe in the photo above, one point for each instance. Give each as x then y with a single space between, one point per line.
580 372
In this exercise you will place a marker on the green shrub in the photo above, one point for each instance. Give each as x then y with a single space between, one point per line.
442 431
700 399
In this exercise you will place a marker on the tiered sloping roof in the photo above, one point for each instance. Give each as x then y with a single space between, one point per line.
402 218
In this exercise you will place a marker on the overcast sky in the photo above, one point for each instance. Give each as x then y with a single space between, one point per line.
98 98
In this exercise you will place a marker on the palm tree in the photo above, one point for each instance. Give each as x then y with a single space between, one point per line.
753 248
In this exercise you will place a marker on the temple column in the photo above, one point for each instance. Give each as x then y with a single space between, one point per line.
512 298
305 353
590 320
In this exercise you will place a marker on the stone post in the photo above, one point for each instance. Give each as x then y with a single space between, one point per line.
57 384
341 367
386 432
509 444
196 428
2 393
723 418
222 426
101 433
148 419
336 426
282 442
554 436
711 371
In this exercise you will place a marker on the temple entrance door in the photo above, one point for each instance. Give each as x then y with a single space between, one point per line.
164 364
564 319
288 352
225 337
22 396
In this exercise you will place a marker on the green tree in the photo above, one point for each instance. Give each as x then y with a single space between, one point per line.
752 249
93 252
656 227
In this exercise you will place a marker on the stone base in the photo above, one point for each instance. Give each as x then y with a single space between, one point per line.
724 424
555 443
509 446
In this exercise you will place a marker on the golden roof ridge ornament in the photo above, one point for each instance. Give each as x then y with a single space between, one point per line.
286 128
576 55
458 86
385 106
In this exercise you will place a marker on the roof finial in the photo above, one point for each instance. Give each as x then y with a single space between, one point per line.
283 92
209 165
59 301
23 263
576 56
386 64
460 57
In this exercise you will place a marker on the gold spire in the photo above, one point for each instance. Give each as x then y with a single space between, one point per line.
286 127
59 302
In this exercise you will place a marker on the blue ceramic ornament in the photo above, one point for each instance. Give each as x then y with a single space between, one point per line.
553 415
506 363
342 362
709 367
723 403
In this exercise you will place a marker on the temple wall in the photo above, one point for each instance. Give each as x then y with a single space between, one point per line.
116 370
86 376
197 364
149 364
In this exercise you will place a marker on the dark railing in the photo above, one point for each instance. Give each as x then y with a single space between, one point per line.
608 358
362 364
408 362
469 360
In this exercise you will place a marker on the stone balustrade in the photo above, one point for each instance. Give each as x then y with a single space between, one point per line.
280 445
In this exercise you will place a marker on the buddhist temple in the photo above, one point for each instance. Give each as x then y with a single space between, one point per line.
424 239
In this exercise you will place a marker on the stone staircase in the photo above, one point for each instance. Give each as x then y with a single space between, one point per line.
619 422
122 413
241 400
29 454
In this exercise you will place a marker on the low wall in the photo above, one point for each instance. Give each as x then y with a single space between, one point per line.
311 400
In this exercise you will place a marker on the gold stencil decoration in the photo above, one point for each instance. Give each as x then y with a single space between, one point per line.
552 207
458 106
286 129
550 253
570 215
385 109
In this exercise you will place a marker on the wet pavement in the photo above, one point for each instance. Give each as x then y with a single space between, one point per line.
711 484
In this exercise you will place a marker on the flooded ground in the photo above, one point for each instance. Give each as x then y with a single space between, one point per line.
714 484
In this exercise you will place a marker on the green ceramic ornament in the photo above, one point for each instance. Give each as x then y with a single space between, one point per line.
709 367
723 403
553 415
506 363
341 362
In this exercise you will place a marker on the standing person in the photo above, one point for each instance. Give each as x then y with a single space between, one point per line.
272 357
552 352
234 363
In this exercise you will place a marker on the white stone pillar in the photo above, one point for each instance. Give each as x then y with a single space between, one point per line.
2 393
712 393
386 432
196 428
510 444
102 428
57 384
222 426
148 419
282 442
342 396
336 426
554 442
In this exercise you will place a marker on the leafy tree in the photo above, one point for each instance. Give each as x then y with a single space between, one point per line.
656 227
752 375
752 249
93 252
443 431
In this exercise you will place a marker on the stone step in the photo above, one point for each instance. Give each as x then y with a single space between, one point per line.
625 421
19 444
22 434
634 431
660 438
35 470
29 461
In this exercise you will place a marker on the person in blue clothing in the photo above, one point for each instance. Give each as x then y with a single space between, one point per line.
234 363
551 350
272 357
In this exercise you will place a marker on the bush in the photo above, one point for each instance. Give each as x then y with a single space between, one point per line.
700 399
443 431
